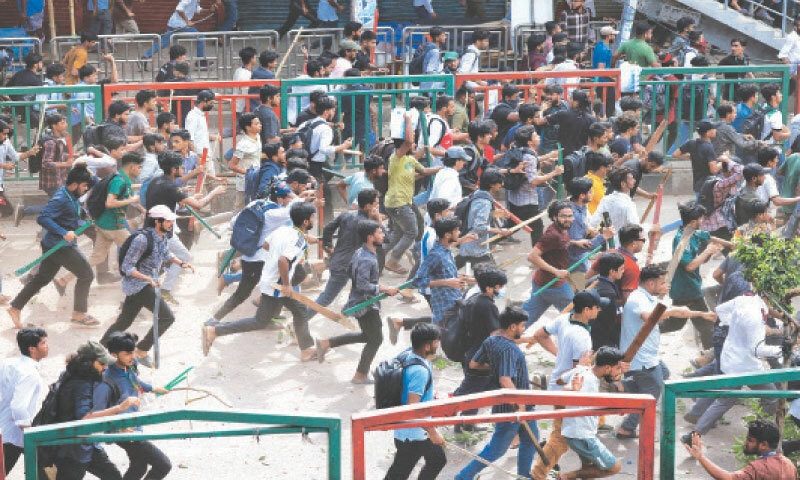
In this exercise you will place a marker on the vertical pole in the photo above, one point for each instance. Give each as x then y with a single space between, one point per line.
560 190
667 451
2 457
97 98
647 428
335 450
51 17
72 17
359 466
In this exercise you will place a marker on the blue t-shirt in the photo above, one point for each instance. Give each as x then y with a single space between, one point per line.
743 112
33 7
326 12
415 379
357 182
602 54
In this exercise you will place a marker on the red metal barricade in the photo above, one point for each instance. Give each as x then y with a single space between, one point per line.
598 83
226 94
445 412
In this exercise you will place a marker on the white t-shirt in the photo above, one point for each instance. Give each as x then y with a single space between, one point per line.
7 155
567 344
746 316
773 120
582 427
197 127
239 75
284 242
248 151
189 8
447 185
768 190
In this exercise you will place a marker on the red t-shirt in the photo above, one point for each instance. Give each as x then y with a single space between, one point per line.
630 278
553 246
773 467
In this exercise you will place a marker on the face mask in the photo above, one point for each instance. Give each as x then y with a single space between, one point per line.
513 103
501 293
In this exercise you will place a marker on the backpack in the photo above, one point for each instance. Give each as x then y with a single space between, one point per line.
126 245
248 225
417 64
306 133
388 377
648 99
754 124
93 135
511 160
700 102
256 180
35 161
383 149
741 213
575 165
455 330
418 133
462 210
706 195
96 200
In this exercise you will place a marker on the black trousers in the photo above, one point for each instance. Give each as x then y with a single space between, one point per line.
295 12
251 275
268 308
315 169
99 466
408 454
11 454
525 212
144 454
146 298
73 260
371 335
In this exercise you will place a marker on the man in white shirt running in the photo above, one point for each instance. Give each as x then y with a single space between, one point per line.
20 385
180 22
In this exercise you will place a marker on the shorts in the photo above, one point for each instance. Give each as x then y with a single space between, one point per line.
592 450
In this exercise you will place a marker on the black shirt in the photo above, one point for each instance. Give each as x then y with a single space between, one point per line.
606 327
635 166
362 60
482 318
500 116
573 128
164 191
360 113
24 78
701 153
305 116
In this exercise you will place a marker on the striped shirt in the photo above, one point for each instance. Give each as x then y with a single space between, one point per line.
438 265
505 359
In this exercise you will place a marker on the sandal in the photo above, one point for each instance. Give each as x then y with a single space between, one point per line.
87 321
399 269
625 436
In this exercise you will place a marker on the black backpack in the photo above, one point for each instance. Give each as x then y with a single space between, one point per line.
455 329
35 161
462 211
383 149
388 377
96 201
754 124
126 245
306 133
700 102
706 195
417 64
93 135
511 160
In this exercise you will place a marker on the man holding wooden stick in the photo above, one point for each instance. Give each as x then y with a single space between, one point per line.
646 375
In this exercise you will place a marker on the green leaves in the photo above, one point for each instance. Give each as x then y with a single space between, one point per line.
770 264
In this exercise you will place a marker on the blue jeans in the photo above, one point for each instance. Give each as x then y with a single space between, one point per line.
504 433
201 48
232 277
558 297
404 230
231 15
645 381
336 283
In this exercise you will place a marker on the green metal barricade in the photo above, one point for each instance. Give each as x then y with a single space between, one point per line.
261 423
381 92
703 92
722 386
29 102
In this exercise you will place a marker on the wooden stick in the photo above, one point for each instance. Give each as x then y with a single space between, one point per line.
327 312
515 228
651 248
41 122
72 17
656 136
207 394
511 261
644 332
482 460
560 189
511 215
688 232
536 445
653 200
288 51
51 16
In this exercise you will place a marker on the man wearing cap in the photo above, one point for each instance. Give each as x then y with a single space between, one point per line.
601 59
637 50
645 374
451 64
574 348
705 161
446 183
83 396
348 49
141 268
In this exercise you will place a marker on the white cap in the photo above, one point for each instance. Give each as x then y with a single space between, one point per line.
162 211
608 30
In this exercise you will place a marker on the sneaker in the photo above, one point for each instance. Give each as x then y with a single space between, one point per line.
689 418
166 295
19 214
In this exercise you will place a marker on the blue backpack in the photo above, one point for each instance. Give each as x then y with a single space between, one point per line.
257 179
247 227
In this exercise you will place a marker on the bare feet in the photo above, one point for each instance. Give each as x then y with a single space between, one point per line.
4 299
15 316
308 354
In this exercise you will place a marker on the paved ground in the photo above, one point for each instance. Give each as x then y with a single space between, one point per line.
261 370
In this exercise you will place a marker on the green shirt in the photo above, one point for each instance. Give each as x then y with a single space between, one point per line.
114 218
791 176
401 180
460 120
686 286
638 51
